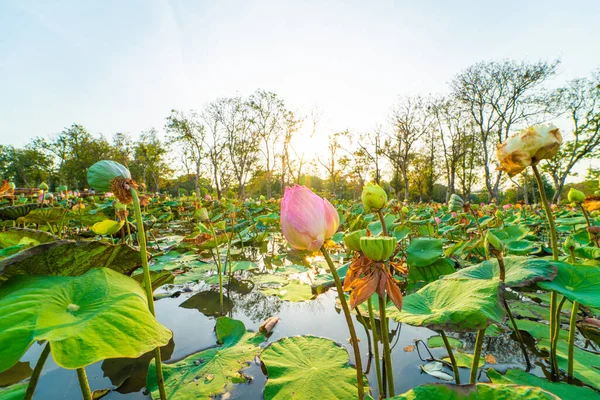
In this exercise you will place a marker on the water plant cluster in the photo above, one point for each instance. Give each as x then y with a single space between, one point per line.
421 301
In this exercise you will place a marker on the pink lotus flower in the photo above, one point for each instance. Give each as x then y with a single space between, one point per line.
306 219
506 206
207 197
438 220
454 214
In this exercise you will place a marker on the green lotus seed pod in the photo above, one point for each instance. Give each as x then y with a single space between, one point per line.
378 248
352 239
492 240
100 174
44 186
455 203
373 197
576 196
474 207
262 198
220 225
405 210
499 214
570 244
201 214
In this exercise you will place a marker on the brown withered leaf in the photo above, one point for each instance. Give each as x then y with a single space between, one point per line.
409 348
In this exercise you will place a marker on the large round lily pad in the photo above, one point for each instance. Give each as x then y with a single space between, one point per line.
101 314
480 391
520 271
577 283
70 258
210 372
308 367
458 305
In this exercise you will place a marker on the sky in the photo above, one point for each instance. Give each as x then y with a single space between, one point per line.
121 66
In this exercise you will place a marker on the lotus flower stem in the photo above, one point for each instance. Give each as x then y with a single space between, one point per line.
554 245
382 220
148 286
572 328
37 372
452 359
518 335
348 316
84 384
387 355
375 346
476 355
587 220
217 259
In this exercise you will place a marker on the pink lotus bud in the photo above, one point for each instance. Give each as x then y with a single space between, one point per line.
306 219
506 206
438 220
454 214
481 204
207 197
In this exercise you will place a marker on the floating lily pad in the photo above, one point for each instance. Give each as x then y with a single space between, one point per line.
423 251
511 232
464 359
520 271
208 303
101 314
480 391
438 341
308 367
70 258
458 305
560 389
210 372
576 282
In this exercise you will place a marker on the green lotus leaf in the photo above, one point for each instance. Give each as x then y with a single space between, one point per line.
437 341
520 271
576 282
210 372
308 367
560 389
589 252
423 251
101 314
480 391
14 212
539 330
586 365
107 227
521 247
14 392
17 236
70 258
43 216
511 232
464 360
431 272
458 305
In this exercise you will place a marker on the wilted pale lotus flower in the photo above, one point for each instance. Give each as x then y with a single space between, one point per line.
528 147
306 219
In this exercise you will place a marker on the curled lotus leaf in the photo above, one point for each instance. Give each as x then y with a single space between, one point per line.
576 282
520 271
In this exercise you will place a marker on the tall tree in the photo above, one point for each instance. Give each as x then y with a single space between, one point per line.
187 130
579 100
499 96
